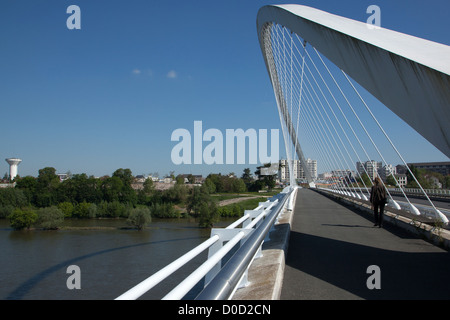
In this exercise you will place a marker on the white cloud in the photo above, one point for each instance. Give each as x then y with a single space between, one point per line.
172 74
136 71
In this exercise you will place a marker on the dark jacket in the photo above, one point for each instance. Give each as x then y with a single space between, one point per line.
377 194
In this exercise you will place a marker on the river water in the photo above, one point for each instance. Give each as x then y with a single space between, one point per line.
33 263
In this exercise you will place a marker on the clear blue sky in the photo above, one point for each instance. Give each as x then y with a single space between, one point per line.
110 95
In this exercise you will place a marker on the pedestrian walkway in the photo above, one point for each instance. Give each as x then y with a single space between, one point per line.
331 247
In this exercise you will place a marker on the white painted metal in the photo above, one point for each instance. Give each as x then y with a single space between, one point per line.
187 284
138 290
411 76
279 24
218 250
214 259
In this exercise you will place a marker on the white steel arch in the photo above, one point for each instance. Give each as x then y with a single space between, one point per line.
409 75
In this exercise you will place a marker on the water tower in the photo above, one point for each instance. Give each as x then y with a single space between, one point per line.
13 163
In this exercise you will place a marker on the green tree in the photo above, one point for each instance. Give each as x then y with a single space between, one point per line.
13 197
391 181
257 185
208 214
28 186
117 209
80 188
238 185
149 187
218 181
46 187
92 211
139 217
197 197
200 204
81 210
127 193
50 218
67 208
268 180
112 188
236 210
418 174
164 210
6 210
209 185
365 178
177 194
125 175
22 218
446 182
247 176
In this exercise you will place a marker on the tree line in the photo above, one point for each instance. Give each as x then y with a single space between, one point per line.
46 201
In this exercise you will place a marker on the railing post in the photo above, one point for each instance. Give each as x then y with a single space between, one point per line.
225 235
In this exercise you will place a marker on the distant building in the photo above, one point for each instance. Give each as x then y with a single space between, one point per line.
63 176
402 180
340 173
140 178
298 172
325 175
386 171
439 167
371 167
401 169
197 178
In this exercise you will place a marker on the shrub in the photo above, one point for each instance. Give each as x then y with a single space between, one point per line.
50 218
116 209
6 210
139 217
22 218
208 214
81 210
164 210
66 208
92 211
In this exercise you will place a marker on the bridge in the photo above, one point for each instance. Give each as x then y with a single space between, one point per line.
319 242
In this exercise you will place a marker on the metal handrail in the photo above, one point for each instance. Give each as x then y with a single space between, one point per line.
177 293
141 288
187 284
225 282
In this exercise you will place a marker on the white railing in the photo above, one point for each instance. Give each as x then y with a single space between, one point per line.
217 250
412 191
438 192
416 209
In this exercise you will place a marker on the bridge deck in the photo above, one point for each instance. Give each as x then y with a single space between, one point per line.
331 247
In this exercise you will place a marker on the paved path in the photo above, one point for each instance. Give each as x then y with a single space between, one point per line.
331 247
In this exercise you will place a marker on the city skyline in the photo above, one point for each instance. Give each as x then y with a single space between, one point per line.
109 95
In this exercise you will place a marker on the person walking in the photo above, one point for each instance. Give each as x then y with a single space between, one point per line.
378 201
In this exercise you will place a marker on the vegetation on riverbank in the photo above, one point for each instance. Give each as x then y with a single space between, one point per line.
44 202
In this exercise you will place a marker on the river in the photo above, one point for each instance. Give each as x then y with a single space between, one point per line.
33 263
